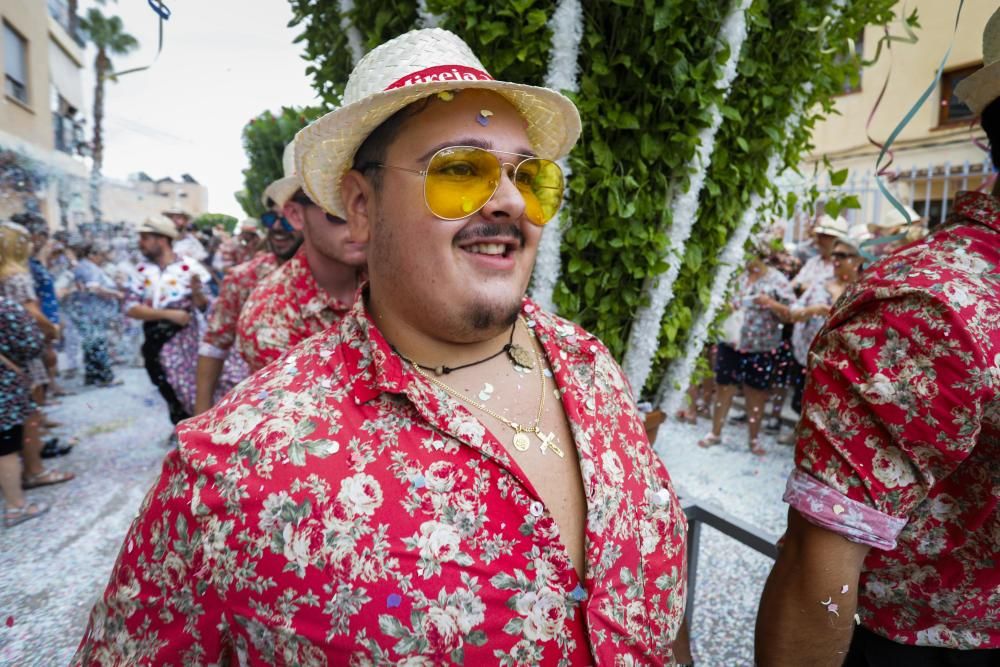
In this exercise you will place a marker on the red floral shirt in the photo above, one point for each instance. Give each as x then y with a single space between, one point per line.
338 508
285 309
220 334
899 444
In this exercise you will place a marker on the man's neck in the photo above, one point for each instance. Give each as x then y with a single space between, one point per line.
336 279
995 192
166 259
432 348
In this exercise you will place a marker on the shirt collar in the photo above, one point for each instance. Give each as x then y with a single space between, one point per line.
305 285
978 207
380 369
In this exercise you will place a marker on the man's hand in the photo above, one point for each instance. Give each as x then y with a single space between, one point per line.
806 615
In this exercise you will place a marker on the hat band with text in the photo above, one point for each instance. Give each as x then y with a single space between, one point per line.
442 73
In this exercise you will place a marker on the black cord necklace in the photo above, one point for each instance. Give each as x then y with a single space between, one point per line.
515 353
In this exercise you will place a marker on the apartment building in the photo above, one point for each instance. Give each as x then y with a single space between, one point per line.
41 119
942 150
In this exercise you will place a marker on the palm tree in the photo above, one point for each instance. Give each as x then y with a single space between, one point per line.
109 36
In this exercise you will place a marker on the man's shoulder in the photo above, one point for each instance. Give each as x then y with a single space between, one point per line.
287 403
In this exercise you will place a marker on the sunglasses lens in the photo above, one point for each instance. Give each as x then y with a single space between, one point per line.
268 219
541 184
460 181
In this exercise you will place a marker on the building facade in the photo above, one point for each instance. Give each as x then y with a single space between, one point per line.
942 150
41 120
135 199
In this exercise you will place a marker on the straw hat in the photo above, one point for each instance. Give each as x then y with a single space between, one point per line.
157 224
893 218
855 236
830 226
281 190
401 71
250 225
983 86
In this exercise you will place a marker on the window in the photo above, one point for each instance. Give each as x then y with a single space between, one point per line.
953 110
15 57
852 82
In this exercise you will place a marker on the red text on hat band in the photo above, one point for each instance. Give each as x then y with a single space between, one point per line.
442 73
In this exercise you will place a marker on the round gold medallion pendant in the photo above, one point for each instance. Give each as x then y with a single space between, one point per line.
522 442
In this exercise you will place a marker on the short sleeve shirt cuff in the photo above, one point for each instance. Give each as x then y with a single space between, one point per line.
828 508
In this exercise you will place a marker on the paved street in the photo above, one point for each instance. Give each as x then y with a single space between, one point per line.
52 569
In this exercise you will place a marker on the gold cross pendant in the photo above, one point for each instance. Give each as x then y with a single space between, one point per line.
549 442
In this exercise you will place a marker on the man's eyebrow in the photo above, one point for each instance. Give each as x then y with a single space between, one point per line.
470 141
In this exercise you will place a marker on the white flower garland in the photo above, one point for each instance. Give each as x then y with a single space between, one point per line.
644 337
354 41
427 19
567 31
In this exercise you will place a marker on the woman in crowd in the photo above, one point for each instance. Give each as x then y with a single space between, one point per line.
810 310
750 362
17 285
92 307
20 342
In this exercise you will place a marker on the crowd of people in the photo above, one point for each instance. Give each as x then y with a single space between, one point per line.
385 453
779 305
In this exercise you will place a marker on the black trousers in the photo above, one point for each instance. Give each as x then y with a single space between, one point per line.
156 334
871 650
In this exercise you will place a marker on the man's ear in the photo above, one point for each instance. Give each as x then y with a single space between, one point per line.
295 214
359 205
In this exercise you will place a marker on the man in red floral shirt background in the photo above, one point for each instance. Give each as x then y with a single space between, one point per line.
449 475
894 500
215 360
311 292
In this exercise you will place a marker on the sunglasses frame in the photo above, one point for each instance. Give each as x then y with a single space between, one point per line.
840 256
512 176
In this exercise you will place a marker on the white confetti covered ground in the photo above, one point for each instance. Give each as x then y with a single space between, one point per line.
52 569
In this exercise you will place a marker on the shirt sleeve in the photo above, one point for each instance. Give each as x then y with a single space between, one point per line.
160 606
893 404
220 334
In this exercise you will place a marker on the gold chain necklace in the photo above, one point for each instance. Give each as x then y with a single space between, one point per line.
521 440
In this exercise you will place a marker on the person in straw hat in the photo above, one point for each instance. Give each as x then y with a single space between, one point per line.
893 500
163 294
186 243
896 230
218 369
450 475
819 268
310 293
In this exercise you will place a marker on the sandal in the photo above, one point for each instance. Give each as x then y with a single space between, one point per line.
46 478
15 515
757 449
710 440
686 416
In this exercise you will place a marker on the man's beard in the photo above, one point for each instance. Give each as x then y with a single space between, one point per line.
288 254
490 317
152 255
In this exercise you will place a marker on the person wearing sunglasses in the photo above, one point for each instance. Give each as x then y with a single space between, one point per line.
313 291
448 475
219 370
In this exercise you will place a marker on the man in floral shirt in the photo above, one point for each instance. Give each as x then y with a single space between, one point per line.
348 506
214 360
313 290
894 500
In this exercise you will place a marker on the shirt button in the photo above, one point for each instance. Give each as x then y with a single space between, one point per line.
536 509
